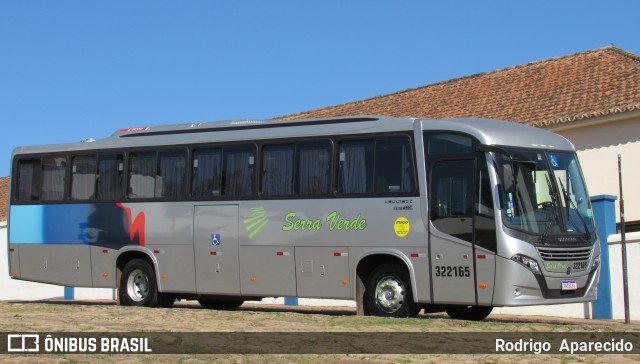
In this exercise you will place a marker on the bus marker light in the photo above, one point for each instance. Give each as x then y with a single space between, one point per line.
105 274
483 285
340 254
215 253
252 279
156 252
163 276
11 250
14 273
482 256
418 255
105 251
283 254
345 282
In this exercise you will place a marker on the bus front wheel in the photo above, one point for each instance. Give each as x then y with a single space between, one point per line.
388 292
138 286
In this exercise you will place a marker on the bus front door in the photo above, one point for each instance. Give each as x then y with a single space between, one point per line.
451 232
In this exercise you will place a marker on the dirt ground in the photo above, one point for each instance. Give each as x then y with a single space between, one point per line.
105 316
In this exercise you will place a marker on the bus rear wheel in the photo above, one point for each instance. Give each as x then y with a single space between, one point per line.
225 305
469 313
138 286
388 292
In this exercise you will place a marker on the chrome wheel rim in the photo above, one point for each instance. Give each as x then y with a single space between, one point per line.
390 294
138 285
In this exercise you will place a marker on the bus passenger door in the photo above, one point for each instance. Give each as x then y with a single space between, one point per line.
451 232
215 240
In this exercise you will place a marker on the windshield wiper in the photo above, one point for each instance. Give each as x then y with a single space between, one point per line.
568 201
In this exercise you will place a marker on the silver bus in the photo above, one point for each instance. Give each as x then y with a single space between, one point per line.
400 215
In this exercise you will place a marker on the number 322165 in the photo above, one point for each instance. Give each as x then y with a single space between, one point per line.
452 271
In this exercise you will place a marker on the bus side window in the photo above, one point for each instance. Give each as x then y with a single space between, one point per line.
109 177
28 188
83 177
207 173
277 170
314 165
355 175
393 166
238 171
53 177
171 176
142 172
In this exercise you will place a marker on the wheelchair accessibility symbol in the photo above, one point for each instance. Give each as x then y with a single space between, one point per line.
215 239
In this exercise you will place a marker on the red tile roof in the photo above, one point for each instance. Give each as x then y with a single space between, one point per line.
554 91
4 197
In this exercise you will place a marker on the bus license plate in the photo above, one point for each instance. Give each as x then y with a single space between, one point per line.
569 285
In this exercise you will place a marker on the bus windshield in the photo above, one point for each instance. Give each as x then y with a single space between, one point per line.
544 194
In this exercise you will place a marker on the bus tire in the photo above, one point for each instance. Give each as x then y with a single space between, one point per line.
469 313
225 305
138 286
388 292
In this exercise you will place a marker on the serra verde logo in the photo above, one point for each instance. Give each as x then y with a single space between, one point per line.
334 220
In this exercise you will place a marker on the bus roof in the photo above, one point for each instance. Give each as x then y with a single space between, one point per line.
490 132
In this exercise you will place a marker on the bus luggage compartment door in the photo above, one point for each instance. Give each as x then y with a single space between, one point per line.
215 240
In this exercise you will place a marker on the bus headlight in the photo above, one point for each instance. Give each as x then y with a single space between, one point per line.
530 263
596 263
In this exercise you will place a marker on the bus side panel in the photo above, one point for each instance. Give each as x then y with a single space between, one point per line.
68 265
175 267
215 241
268 271
323 272
103 266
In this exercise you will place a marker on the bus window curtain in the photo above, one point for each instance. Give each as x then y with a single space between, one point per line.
277 171
83 178
109 177
238 178
353 172
142 175
207 173
53 172
171 176
313 171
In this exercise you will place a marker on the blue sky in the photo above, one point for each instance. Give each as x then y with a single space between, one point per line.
74 69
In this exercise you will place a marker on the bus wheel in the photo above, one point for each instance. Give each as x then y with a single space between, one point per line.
138 285
388 293
470 313
220 304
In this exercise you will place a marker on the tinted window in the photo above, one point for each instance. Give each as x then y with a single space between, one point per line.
171 176
452 198
84 174
393 166
355 173
314 164
207 172
109 178
142 175
28 180
238 172
277 170
53 177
